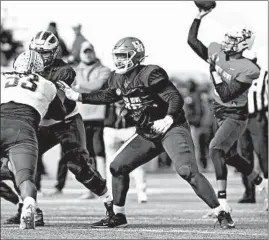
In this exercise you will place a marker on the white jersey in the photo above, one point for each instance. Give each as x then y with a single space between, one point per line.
32 90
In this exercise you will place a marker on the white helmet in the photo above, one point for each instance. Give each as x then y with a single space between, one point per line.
238 40
28 62
47 44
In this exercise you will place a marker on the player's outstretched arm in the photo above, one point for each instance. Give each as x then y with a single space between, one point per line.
193 40
98 97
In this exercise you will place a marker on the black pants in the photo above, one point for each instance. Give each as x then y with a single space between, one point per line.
255 138
71 135
94 145
19 143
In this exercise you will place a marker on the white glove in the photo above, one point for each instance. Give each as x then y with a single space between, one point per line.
69 92
162 125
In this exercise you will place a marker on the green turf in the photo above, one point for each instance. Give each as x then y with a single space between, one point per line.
174 213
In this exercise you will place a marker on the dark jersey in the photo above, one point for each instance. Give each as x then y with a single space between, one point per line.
148 95
63 72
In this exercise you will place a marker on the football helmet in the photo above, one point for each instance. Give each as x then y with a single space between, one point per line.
28 62
47 44
237 41
127 54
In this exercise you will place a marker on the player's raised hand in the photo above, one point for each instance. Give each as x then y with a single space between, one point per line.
202 13
162 125
69 92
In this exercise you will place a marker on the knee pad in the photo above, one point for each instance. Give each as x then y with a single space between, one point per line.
85 174
77 159
117 170
24 175
185 172
92 180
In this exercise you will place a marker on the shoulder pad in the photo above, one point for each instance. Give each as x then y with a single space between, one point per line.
154 73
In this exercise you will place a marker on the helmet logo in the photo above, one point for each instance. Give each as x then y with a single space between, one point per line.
138 46
118 91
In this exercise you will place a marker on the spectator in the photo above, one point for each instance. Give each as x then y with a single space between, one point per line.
63 49
79 39
9 47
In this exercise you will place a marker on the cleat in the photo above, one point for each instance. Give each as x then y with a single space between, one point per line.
115 221
39 221
28 218
16 218
142 197
225 220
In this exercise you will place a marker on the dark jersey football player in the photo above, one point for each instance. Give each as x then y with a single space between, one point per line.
155 106
70 132
231 75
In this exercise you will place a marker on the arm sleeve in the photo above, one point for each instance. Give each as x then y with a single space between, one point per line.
168 93
68 76
196 44
56 110
228 92
100 97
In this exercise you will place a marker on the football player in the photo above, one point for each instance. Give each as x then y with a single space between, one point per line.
70 132
155 106
232 75
26 98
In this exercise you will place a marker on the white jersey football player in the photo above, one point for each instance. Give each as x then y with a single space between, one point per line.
26 98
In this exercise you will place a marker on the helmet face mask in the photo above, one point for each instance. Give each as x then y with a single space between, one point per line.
238 41
127 54
123 61
46 44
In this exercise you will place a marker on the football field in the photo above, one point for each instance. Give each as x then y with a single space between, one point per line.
173 212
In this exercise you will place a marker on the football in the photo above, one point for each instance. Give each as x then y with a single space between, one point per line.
205 5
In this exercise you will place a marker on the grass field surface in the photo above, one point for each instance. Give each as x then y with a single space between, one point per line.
173 211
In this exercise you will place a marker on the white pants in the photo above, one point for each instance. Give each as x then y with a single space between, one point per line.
113 139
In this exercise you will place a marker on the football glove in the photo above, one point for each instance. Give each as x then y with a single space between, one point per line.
69 92
162 125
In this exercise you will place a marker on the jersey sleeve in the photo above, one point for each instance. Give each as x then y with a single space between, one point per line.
156 75
249 73
213 50
67 75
